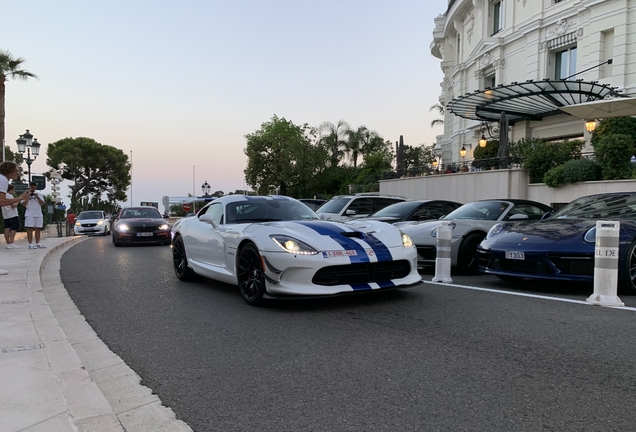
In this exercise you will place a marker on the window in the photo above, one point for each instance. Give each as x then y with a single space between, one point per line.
496 15
565 63
216 210
490 81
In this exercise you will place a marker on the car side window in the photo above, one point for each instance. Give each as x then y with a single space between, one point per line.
380 203
533 212
431 210
216 210
362 206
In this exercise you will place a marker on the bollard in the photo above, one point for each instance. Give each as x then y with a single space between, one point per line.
443 258
606 265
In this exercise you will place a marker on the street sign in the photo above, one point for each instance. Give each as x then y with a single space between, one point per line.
40 180
186 207
20 188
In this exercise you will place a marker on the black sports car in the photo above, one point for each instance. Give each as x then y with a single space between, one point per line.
140 225
418 210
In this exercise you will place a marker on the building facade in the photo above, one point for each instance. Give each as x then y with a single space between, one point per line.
486 43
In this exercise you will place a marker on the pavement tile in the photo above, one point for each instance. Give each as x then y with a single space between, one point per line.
95 355
15 420
121 386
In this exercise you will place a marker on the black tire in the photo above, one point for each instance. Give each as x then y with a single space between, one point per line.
180 261
250 275
627 275
115 242
509 278
466 257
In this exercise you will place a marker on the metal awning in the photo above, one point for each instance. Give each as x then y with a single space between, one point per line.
530 100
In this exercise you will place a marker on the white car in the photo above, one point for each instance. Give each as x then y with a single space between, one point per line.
276 246
92 222
470 223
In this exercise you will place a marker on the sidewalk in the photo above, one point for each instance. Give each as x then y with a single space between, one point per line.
56 375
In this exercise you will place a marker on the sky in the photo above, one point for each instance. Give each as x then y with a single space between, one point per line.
177 85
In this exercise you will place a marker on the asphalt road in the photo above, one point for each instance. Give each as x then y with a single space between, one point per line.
434 358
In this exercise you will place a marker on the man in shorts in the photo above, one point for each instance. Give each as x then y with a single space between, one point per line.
8 171
11 220
33 217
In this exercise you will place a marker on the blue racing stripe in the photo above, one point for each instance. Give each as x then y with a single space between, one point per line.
382 252
361 287
328 229
385 284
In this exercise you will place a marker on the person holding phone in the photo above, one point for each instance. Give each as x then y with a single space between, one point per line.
33 217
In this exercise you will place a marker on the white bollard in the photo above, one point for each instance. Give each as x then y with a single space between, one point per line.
606 265
443 258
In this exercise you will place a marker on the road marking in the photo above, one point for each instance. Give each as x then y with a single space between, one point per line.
565 300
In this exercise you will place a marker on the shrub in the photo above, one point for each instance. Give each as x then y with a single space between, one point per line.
554 176
485 156
616 125
580 170
541 156
613 153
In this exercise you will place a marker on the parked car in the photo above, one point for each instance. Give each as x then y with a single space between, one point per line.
343 207
470 222
313 203
140 225
276 246
92 222
417 210
562 247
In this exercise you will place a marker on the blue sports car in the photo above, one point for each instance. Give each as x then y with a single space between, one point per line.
562 246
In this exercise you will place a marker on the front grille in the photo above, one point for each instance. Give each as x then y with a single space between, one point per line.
521 266
362 273
428 253
574 265
483 257
140 228
89 225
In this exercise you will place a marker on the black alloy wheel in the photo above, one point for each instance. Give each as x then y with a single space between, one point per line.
627 275
250 275
180 261
466 259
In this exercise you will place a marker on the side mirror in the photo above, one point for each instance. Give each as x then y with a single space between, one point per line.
166 217
209 219
350 213
518 217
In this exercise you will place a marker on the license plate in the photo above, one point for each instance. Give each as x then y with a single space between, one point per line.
144 234
515 255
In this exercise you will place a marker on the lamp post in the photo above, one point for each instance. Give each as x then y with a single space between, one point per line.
205 187
27 143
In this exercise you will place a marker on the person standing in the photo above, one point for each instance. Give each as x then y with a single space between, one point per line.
8 171
33 217
11 220
70 221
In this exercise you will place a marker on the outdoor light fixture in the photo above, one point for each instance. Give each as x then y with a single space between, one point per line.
590 125
483 141
462 152
205 188
26 143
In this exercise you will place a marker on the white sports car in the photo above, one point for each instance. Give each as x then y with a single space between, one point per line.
277 246
470 223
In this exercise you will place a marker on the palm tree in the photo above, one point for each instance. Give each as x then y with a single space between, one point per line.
332 137
440 110
355 143
9 68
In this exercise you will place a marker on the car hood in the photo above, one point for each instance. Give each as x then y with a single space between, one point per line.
143 221
420 232
326 235
547 231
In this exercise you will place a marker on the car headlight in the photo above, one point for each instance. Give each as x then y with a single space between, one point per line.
496 229
164 227
122 227
434 232
590 236
406 240
78 224
101 222
293 246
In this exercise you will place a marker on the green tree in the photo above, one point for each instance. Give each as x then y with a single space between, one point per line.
440 110
334 139
282 155
613 153
546 155
614 125
94 168
10 67
355 143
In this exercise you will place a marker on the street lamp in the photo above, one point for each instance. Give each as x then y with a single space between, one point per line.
205 187
27 143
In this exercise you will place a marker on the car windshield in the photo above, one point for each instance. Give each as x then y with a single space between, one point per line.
91 215
479 210
614 206
149 213
267 210
399 210
334 206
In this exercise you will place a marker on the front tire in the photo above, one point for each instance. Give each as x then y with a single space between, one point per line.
180 261
250 275
115 242
466 258
627 275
